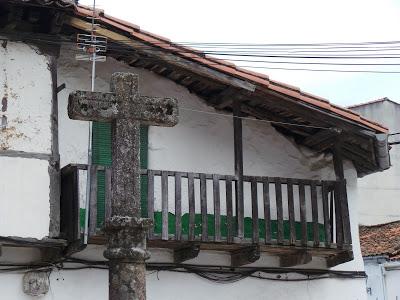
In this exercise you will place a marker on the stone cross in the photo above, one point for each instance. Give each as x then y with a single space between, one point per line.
126 230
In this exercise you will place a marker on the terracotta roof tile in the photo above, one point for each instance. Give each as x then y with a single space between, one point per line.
229 68
159 37
383 239
122 22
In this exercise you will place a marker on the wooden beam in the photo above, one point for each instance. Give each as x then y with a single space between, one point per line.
186 253
340 258
338 159
174 59
263 114
245 256
299 257
226 98
319 137
341 190
50 254
57 22
238 152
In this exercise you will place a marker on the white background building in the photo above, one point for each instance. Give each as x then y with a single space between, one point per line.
380 192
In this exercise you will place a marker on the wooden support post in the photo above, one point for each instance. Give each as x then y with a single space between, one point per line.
245 256
186 253
341 191
238 149
338 159
299 257
93 201
340 258
178 206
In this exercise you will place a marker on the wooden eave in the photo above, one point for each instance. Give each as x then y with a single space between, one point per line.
311 121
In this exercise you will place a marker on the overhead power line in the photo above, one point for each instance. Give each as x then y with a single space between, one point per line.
257 61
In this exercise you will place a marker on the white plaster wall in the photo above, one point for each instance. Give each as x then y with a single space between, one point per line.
375 280
25 115
383 278
24 197
392 279
380 192
25 83
93 284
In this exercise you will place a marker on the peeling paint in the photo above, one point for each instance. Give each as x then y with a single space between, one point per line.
9 134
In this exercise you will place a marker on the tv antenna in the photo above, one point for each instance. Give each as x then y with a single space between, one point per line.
93 48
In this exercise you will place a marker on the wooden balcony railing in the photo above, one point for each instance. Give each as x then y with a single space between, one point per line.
202 208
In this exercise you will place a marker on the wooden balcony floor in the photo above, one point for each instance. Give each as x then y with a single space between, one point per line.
290 254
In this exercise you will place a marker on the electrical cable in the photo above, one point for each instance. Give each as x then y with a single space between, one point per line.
193 51
127 50
218 274
281 62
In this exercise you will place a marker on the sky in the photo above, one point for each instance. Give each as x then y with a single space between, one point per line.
283 21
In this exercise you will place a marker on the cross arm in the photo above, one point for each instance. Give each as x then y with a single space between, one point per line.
156 111
92 106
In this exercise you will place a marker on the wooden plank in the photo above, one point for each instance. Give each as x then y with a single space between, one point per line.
238 153
93 201
254 211
319 137
325 208
225 98
292 221
338 159
303 214
345 213
203 203
186 253
191 207
229 211
314 210
299 257
150 201
217 209
279 211
164 205
338 216
192 64
331 212
267 211
339 258
108 193
260 179
245 256
69 204
178 206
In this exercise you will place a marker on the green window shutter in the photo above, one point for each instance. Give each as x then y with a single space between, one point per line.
101 144
101 155
144 159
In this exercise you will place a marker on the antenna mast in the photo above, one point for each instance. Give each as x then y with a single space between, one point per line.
92 47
